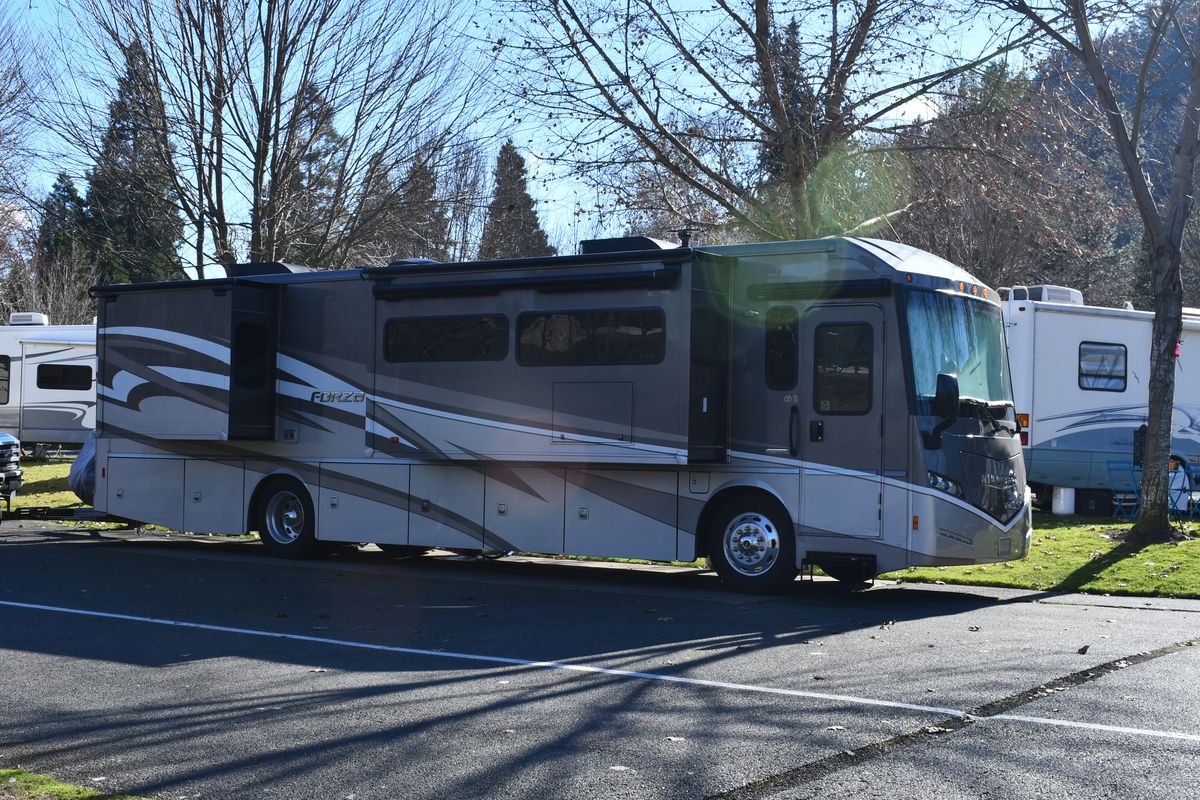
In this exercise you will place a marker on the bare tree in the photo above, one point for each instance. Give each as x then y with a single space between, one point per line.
238 80
764 107
1172 32
15 102
1000 190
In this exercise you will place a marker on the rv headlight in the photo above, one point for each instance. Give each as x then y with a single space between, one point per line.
944 484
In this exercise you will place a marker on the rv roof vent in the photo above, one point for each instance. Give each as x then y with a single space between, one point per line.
1056 294
28 318
623 244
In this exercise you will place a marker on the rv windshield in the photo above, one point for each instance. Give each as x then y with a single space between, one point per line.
957 335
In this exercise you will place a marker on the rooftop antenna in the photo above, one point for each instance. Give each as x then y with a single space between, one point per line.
685 235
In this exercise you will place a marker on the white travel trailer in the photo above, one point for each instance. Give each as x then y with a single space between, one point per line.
842 402
47 380
1081 378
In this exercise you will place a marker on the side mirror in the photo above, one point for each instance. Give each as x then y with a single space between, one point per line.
945 402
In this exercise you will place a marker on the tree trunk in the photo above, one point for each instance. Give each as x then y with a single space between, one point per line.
1153 524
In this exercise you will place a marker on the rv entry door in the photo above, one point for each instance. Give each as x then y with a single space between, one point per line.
841 406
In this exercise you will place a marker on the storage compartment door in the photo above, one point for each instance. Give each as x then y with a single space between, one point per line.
622 513
524 509
148 490
363 503
446 507
213 499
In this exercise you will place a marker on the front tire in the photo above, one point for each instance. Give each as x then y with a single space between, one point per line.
751 544
286 521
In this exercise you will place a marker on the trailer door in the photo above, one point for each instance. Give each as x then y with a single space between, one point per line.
841 405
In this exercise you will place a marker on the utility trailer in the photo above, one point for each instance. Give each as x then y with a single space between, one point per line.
47 380
1081 384
842 402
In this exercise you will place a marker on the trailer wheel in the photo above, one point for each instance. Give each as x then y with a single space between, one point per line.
751 544
286 522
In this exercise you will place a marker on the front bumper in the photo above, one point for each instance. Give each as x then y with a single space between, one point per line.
951 534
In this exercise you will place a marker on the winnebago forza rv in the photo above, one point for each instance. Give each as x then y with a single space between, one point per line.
47 380
842 402
1081 380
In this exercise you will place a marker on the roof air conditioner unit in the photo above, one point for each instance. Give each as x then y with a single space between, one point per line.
1056 294
28 318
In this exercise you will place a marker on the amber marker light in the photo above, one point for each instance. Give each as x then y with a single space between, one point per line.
962 287
908 277
395 440
916 522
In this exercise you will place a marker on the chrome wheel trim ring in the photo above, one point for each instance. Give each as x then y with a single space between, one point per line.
285 517
751 544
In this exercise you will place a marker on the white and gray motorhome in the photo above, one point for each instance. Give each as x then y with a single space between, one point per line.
47 380
841 402
1081 378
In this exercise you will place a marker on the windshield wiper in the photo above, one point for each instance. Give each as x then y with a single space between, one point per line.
986 409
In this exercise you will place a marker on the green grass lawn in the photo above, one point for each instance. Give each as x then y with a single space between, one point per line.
1084 555
20 785
1068 553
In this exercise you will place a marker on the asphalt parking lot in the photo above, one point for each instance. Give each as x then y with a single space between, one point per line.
197 668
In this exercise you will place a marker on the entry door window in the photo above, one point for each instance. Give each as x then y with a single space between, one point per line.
842 359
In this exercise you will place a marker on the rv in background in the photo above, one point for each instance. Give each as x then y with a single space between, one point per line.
47 380
841 402
1080 380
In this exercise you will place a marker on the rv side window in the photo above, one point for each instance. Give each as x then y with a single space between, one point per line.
474 337
4 367
64 376
1102 367
842 360
577 338
782 343
250 356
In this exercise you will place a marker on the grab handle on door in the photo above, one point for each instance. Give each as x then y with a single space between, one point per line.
816 430
793 429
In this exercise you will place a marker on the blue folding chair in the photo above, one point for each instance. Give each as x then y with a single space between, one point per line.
1126 482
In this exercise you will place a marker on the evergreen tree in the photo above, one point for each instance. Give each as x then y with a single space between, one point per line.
311 203
62 229
133 220
512 229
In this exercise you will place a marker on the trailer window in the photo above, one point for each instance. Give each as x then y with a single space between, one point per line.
1102 367
842 359
469 337
575 338
782 347
5 364
64 376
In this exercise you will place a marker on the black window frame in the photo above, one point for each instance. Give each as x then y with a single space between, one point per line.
524 315
779 383
6 374
1124 371
816 338
495 315
64 385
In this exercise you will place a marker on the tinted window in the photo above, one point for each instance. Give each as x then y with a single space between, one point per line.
842 358
1102 367
475 337
250 345
625 336
64 376
4 371
782 343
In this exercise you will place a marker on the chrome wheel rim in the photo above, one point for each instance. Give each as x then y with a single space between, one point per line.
285 517
751 544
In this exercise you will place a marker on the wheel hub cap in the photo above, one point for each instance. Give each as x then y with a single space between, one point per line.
285 518
751 543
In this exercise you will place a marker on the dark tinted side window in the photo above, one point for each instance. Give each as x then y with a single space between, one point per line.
474 337
5 365
250 355
782 343
1102 367
842 359
564 338
64 376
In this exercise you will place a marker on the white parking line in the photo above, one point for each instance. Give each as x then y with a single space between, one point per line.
560 665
